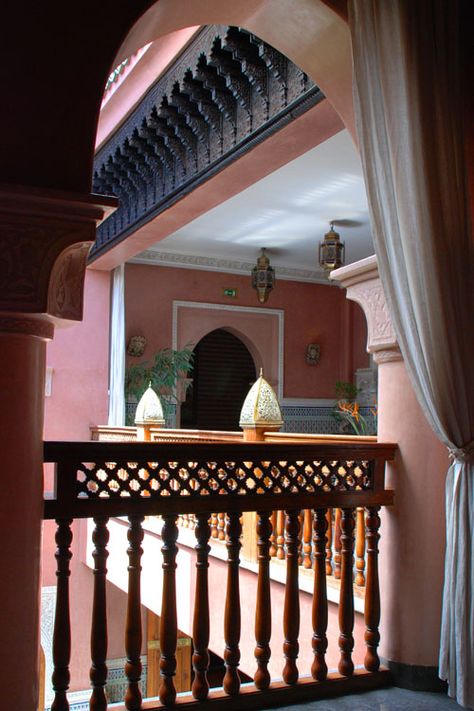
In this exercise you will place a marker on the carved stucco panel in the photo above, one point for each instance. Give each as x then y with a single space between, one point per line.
40 264
369 295
66 285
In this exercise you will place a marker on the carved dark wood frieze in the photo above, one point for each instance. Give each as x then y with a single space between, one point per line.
226 92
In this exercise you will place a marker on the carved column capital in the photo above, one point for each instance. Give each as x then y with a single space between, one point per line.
363 285
45 237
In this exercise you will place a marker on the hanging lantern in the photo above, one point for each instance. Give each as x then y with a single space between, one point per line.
331 250
263 277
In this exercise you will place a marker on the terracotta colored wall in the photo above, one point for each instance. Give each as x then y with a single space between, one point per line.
313 313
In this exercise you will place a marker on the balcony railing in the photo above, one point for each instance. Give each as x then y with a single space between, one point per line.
100 480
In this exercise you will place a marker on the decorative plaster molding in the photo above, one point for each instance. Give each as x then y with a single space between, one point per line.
230 266
387 355
39 327
66 285
371 298
279 313
44 241
363 285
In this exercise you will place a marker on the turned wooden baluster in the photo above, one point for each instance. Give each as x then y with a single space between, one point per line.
280 535
372 592
62 622
291 615
300 545
200 687
168 620
214 521
360 547
133 627
337 544
307 542
232 606
221 526
98 671
346 599
319 669
263 614
329 542
273 547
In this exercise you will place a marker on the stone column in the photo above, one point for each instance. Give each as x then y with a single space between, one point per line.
44 242
413 531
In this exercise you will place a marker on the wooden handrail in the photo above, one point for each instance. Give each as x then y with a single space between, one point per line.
118 478
195 479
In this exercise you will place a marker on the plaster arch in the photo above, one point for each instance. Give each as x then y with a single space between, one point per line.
261 331
309 32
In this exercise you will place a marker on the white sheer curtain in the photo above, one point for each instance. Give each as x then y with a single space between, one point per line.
407 97
117 350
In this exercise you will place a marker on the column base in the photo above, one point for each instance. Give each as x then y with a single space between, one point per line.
415 678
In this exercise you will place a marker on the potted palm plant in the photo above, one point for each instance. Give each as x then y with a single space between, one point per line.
164 372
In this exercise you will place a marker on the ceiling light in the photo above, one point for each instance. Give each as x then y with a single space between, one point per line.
263 277
331 250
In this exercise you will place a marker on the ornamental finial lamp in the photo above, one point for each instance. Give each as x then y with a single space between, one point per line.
263 277
331 250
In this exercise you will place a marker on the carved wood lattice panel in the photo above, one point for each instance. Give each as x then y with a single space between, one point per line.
196 479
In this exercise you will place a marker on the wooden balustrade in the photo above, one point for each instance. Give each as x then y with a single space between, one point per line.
292 487
307 558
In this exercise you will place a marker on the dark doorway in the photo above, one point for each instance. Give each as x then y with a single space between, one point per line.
222 374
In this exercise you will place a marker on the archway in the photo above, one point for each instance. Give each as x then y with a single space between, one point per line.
222 374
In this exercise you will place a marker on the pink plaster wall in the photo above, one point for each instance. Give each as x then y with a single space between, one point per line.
313 314
79 356
413 531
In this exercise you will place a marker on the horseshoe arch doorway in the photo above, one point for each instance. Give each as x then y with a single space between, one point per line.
222 374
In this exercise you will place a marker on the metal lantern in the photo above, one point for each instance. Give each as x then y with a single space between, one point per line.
263 277
331 250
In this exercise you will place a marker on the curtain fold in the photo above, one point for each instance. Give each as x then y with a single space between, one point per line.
117 350
408 105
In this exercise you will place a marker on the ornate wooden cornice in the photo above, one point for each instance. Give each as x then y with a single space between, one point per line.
227 92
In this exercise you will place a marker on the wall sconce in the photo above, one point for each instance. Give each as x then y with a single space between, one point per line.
313 353
136 346
263 277
331 250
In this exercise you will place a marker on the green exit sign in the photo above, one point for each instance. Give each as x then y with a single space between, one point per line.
230 292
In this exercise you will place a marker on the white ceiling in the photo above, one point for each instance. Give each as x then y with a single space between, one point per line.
287 212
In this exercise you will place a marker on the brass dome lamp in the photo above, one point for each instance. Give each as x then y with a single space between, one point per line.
331 250
263 277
